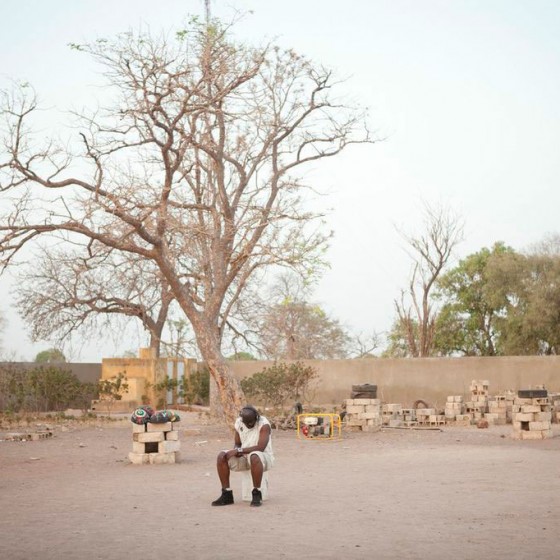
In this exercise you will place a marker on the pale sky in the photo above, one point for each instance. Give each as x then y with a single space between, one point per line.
465 92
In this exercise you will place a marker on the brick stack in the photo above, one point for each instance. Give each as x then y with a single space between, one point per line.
463 420
555 406
454 407
532 418
477 407
363 414
409 417
392 415
155 443
423 415
499 408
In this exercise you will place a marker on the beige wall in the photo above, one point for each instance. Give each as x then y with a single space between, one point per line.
430 379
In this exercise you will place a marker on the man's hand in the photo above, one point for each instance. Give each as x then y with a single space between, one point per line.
233 453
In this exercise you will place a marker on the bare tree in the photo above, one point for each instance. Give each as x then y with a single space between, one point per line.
430 253
193 168
63 292
295 329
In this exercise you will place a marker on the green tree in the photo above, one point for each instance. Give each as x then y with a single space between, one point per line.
49 356
241 356
477 299
532 323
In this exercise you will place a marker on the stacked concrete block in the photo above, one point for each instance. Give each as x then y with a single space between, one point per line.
409 417
436 419
463 420
454 407
392 415
477 406
155 444
363 414
532 418
499 409
423 415
555 407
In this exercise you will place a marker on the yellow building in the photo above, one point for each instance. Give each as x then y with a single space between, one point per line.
150 380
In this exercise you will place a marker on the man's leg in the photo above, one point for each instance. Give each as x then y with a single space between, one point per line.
222 466
257 470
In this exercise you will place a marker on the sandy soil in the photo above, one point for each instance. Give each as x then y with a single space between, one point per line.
459 493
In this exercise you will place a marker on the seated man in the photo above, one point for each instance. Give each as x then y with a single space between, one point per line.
252 450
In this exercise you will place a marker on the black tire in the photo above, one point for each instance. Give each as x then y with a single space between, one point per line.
532 393
420 401
365 388
363 395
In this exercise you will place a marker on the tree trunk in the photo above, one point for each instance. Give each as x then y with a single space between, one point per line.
230 394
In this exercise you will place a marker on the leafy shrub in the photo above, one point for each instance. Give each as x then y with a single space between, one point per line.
280 383
196 387
43 389
111 390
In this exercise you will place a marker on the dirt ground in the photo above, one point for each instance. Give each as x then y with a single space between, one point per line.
454 494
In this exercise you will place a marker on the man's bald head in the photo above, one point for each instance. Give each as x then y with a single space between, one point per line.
249 416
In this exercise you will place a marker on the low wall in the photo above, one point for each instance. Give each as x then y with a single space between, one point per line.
86 373
430 379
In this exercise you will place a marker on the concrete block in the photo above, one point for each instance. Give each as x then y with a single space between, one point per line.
148 437
522 417
355 409
138 458
138 428
394 407
366 402
373 408
368 415
138 448
163 458
547 434
169 446
530 408
354 422
172 436
524 434
167 427
539 426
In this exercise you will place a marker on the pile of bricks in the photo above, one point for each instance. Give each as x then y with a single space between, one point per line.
363 414
500 408
454 407
155 443
424 416
477 407
555 407
531 418
409 417
392 415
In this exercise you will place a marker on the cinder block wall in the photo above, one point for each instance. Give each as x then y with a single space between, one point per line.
430 379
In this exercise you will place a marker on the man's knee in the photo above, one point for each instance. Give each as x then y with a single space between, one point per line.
256 460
